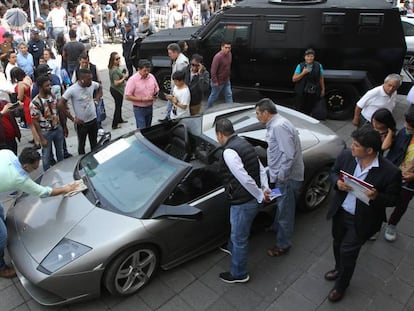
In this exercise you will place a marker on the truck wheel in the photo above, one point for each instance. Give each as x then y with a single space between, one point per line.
341 100
164 81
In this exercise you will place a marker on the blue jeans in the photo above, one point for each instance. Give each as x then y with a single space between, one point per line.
3 236
285 212
143 116
241 219
215 92
56 137
98 31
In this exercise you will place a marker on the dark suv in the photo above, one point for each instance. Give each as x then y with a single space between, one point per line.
357 42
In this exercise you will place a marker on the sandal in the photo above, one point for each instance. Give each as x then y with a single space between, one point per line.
276 251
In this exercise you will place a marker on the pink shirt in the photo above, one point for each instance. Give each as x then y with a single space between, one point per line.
141 88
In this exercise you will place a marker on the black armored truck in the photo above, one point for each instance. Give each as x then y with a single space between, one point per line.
358 43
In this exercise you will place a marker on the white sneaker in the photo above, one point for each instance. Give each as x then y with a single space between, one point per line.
390 233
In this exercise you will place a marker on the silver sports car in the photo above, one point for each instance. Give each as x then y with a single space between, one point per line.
153 200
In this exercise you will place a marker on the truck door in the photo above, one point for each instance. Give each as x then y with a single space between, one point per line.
239 34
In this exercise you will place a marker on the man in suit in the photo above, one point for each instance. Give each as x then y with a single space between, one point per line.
353 221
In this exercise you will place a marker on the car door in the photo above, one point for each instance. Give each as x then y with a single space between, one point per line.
239 34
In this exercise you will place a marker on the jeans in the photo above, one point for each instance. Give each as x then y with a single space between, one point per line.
89 129
3 236
55 136
205 15
98 31
57 31
143 116
241 219
215 92
285 212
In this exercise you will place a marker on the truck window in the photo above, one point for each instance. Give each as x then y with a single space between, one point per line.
408 29
237 34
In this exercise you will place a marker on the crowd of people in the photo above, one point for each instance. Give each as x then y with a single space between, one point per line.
45 93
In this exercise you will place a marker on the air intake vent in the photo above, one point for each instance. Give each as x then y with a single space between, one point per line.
296 2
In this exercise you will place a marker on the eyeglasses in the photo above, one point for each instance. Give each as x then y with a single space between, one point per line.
118 58
195 65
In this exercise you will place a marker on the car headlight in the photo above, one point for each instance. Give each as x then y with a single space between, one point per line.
62 254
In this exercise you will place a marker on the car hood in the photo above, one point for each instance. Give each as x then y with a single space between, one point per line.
172 35
42 223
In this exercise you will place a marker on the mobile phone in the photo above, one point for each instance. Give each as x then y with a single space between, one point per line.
156 94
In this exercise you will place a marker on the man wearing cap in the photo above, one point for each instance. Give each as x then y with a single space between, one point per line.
309 82
36 46
6 46
96 12
128 39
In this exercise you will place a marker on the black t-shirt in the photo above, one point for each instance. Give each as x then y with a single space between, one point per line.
72 50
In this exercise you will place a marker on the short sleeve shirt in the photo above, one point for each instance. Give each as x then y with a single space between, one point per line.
82 100
45 111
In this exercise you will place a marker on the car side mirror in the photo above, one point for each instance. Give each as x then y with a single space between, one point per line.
183 212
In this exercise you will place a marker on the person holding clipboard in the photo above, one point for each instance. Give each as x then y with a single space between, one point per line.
353 220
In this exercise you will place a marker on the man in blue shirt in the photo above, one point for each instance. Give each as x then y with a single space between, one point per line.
15 176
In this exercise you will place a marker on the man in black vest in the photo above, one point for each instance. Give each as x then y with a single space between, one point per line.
309 82
242 174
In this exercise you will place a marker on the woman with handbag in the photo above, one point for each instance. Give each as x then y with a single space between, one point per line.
309 83
117 78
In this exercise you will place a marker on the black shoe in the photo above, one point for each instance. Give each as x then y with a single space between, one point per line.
31 141
332 275
228 278
52 162
335 295
225 249
37 146
67 155
123 121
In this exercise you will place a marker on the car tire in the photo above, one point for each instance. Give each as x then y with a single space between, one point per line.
163 77
131 270
316 190
341 100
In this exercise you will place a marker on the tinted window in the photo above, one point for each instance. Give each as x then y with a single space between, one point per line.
237 34
408 29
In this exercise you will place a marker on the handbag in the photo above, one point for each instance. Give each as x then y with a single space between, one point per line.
100 111
310 88
319 110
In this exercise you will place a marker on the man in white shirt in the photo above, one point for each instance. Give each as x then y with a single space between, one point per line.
58 18
382 96
244 177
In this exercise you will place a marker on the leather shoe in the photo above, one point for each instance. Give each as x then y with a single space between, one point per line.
7 272
332 275
335 295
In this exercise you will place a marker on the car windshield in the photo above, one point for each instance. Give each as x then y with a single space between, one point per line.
128 174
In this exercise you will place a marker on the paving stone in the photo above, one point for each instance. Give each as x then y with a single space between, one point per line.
177 279
5 283
312 288
377 266
354 299
198 296
220 305
405 272
92 305
242 297
10 298
156 293
25 295
202 264
384 302
398 290
34 306
23 307
385 251
320 267
329 306
410 303
366 282
175 304
291 300
131 303
269 286
211 279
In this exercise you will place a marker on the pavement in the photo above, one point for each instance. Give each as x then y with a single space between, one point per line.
383 279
